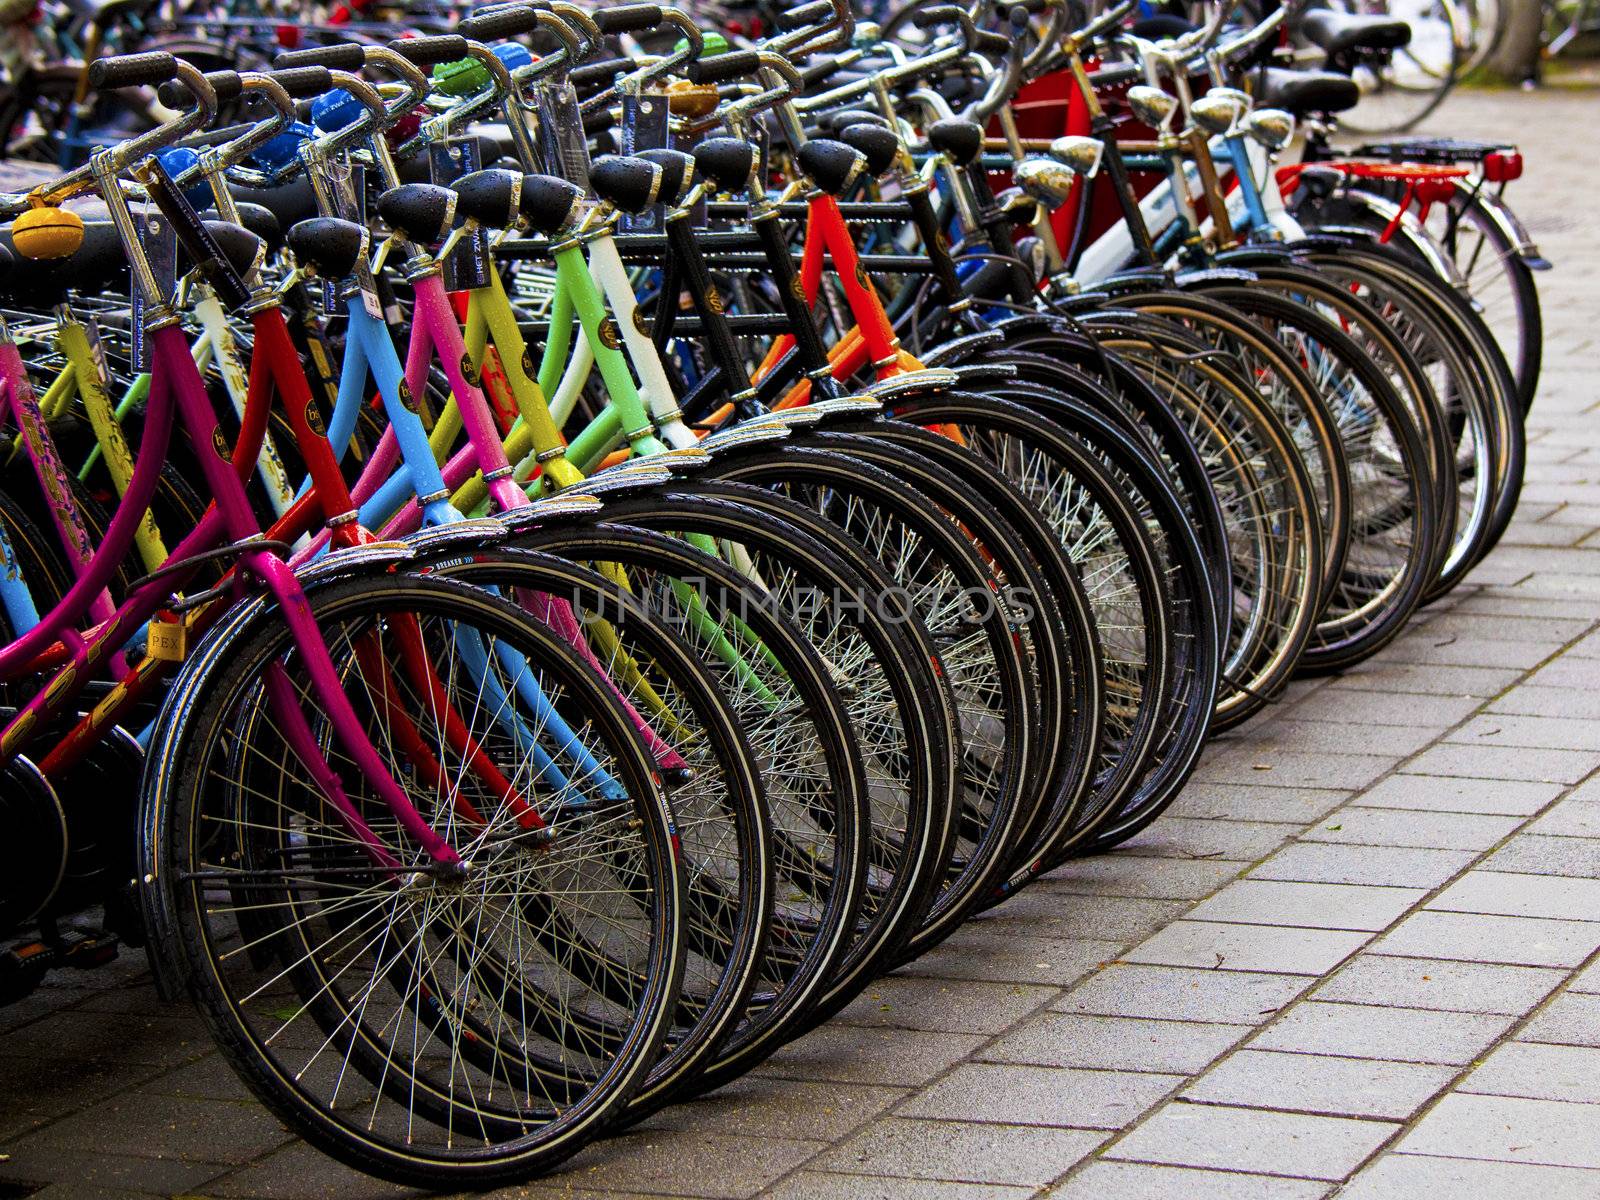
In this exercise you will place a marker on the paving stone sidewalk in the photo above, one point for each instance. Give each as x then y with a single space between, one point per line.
1358 957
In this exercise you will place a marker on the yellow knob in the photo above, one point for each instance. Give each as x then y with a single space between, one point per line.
47 233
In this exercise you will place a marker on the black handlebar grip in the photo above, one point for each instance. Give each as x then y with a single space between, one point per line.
224 83
991 43
806 14
939 14
426 51
133 70
597 75
500 24
720 67
819 70
343 56
300 82
628 18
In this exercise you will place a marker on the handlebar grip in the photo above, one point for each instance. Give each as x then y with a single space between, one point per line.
721 67
342 56
224 83
628 18
426 51
597 75
807 14
819 70
301 82
133 70
499 24
991 43
939 14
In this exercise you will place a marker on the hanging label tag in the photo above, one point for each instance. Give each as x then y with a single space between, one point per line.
565 145
168 639
160 244
97 348
468 265
644 127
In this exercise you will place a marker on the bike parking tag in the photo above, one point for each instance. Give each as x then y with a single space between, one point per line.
468 264
160 243
644 127
561 129
168 637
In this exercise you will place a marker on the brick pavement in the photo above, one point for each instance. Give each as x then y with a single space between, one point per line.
1361 955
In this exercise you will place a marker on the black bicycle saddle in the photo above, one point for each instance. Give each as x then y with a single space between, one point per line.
1337 33
832 166
492 198
726 161
328 246
880 144
422 212
1303 92
677 172
628 183
262 222
549 203
958 139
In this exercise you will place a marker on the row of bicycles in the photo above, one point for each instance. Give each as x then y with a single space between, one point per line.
539 559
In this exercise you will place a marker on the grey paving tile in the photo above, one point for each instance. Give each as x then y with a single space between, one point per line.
47 1165
1476 938
1142 1181
1320 905
1519 895
1037 912
1145 878
821 1185
1423 830
909 1149
1439 793
977 954
956 1006
701 1163
1509 1129
1341 705
1572 1018
1439 984
1010 1094
1314 1083
1287 768
1423 647
145 1125
1240 841
761 1106
1243 802
1212 944
1571 818
1386 675
1538 1071
116 1037
1566 673
301 1173
854 1054
1586 980
1577 858
1183 994
1419 1177
1113 1043
1246 1139
1373 1031
1507 729
1505 762
1536 701
1354 734
1383 866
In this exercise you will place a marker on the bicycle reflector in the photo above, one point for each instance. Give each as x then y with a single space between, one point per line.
47 232
1502 166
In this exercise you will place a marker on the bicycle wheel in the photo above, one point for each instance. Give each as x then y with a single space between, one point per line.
345 976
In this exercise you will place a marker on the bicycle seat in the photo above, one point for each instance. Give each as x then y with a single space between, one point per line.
627 183
1303 92
832 166
239 246
960 140
262 222
422 212
328 246
726 161
550 203
1337 33
879 144
835 121
492 198
290 202
97 265
677 172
